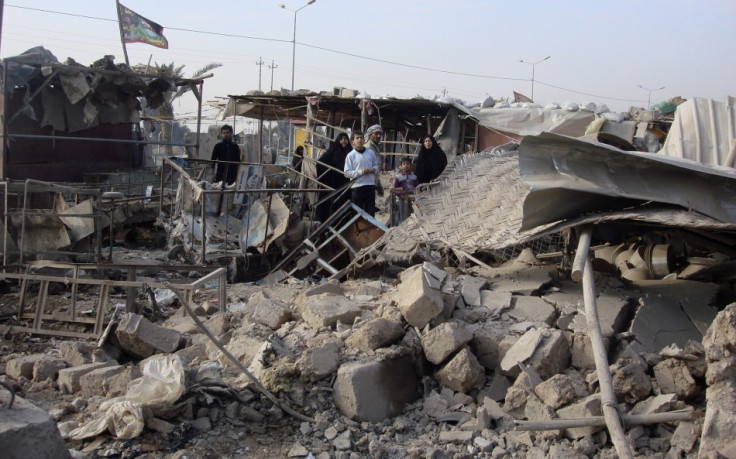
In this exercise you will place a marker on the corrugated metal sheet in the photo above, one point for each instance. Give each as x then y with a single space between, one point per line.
703 131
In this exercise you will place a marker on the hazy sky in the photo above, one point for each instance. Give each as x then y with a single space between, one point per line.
600 51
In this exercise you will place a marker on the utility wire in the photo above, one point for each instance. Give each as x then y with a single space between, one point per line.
343 53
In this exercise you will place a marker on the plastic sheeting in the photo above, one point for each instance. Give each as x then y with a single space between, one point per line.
534 121
703 131
162 384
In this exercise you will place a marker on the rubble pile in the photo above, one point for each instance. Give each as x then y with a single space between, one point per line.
436 363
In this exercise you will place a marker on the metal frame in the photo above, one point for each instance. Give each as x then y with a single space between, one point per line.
38 316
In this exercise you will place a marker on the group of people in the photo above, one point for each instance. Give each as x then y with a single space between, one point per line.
357 158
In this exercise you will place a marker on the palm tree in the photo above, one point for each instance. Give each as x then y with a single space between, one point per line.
166 110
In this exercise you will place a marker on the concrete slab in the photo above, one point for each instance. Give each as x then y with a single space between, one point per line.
471 287
696 298
440 342
522 350
532 309
661 321
418 301
462 373
375 334
142 338
529 281
326 309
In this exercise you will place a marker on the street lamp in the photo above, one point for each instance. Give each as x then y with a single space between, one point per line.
533 64
293 41
649 98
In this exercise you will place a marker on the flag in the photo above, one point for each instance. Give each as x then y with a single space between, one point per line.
519 97
137 29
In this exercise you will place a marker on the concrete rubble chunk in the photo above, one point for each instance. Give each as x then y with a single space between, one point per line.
455 436
374 391
496 302
585 408
522 350
272 313
70 378
76 353
418 301
720 347
440 342
319 362
655 404
141 338
532 309
438 274
719 424
630 382
462 373
581 351
528 281
241 346
561 390
325 310
27 431
47 369
218 324
485 344
93 383
536 410
471 287
551 356
673 377
333 287
613 311
661 321
23 366
498 387
685 436
375 334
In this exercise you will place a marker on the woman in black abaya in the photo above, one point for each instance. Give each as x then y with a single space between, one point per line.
430 162
335 157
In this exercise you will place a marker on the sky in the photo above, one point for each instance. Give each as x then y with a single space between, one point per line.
603 52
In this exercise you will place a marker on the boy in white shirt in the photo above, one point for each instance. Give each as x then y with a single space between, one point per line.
362 164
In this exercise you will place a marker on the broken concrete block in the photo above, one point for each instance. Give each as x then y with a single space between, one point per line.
485 344
418 301
182 324
530 281
536 410
374 391
532 309
719 423
218 324
522 350
588 407
673 377
440 342
685 436
462 373
69 378
552 356
27 431
655 404
455 436
561 390
23 366
498 387
332 287
660 321
47 369
242 347
696 298
720 347
141 338
470 290
496 302
319 362
273 314
95 382
630 382
375 334
438 275
76 353
192 355
613 311
326 309
581 351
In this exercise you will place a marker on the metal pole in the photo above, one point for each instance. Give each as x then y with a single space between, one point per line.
293 51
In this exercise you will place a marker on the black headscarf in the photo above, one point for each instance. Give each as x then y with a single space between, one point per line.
296 161
429 164
335 157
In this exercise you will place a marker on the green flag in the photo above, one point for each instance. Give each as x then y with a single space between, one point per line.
137 29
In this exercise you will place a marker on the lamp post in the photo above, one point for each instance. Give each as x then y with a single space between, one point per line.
649 97
293 40
533 64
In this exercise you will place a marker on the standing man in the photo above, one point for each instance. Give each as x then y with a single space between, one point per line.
374 134
226 150
362 164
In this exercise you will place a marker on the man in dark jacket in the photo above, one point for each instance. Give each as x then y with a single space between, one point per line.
226 150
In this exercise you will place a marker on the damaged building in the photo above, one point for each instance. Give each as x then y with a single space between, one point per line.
552 294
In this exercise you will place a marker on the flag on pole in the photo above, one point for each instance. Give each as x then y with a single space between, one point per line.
137 29
519 97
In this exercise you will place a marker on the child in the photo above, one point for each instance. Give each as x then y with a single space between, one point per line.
404 184
405 178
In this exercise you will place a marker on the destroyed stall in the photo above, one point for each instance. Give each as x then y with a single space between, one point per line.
553 297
